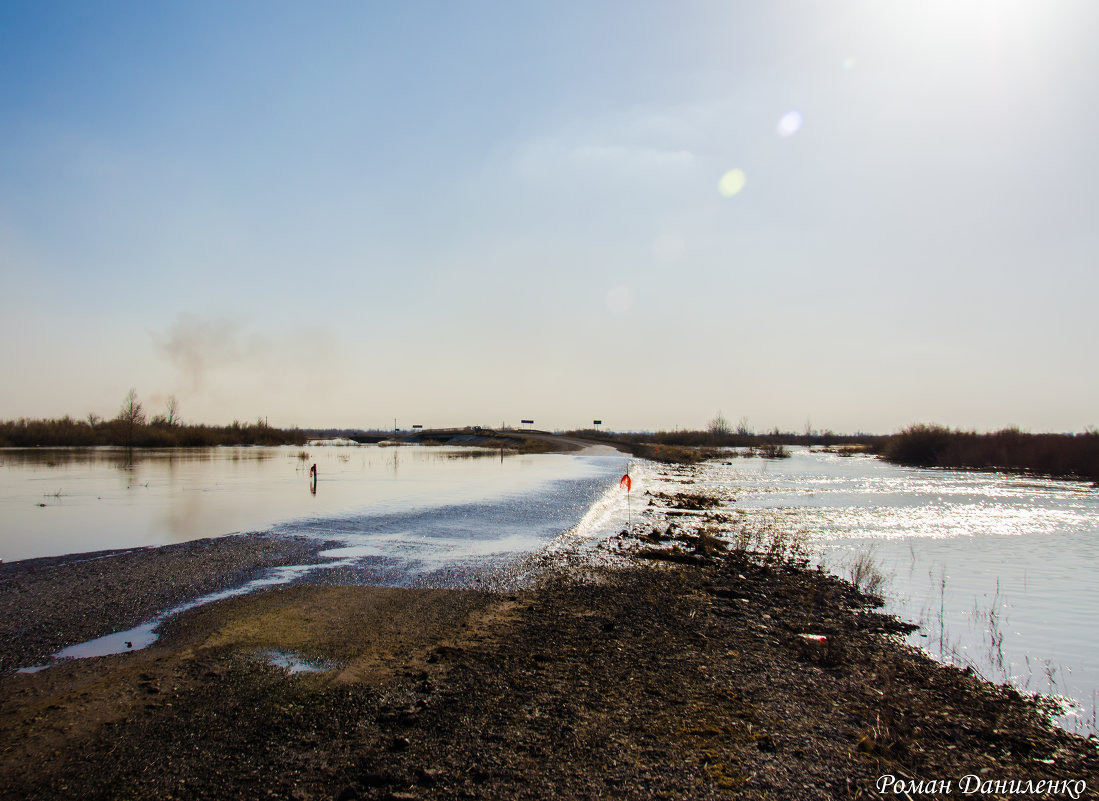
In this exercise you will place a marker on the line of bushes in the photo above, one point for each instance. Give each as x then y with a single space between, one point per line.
67 432
731 439
1074 456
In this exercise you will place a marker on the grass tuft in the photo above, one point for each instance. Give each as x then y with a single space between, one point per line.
866 574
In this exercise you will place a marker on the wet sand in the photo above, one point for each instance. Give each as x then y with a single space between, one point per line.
680 677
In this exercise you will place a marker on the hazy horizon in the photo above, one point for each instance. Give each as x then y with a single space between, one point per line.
858 214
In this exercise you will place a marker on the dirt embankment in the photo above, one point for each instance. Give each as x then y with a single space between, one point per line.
660 680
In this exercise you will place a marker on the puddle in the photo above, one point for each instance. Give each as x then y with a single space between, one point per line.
118 643
293 663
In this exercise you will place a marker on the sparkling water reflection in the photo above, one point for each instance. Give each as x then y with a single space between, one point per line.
998 570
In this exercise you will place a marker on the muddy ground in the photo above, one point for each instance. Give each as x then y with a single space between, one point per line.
661 679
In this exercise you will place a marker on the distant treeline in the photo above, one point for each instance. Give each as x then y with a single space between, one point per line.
1073 456
67 432
732 439
695 446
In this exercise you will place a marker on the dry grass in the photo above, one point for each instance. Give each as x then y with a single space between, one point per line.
768 544
867 575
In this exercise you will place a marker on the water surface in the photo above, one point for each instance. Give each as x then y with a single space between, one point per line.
61 501
999 570
397 515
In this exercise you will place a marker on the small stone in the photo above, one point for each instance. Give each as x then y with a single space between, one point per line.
428 777
765 743
373 780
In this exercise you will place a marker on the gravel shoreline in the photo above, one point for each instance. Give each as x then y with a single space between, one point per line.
684 680
50 603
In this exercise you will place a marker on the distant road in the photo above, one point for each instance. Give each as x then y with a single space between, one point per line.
562 443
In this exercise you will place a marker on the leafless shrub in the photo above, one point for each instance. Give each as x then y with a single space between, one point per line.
866 574
767 543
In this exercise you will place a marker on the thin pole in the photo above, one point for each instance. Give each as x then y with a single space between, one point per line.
629 503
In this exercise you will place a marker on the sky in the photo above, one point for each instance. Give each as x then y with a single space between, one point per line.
847 215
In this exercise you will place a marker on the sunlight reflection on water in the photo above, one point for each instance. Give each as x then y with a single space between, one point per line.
998 570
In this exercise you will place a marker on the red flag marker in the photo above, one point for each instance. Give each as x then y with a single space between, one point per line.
625 482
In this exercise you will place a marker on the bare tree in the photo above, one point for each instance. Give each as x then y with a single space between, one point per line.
173 410
131 415
719 426
93 419
743 428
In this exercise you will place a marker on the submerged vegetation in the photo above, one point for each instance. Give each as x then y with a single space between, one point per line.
1074 456
866 574
772 450
132 428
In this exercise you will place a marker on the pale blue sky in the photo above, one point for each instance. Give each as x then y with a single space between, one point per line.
341 213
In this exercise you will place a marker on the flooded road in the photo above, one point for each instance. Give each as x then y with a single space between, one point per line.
997 570
452 500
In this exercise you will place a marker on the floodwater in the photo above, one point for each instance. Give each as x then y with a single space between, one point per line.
401 502
392 515
998 570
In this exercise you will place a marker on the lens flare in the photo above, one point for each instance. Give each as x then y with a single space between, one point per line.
790 124
732 182
849 63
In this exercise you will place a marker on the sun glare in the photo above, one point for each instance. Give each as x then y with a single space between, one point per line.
732 182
